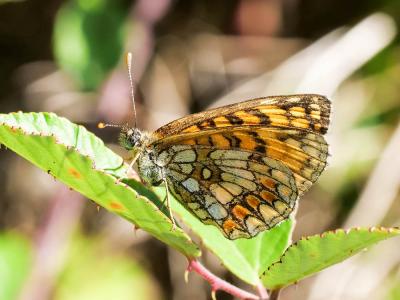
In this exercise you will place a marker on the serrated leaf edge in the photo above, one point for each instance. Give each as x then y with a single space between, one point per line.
330 232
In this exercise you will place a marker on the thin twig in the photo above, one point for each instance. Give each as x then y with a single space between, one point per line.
275 294
262 292
218 283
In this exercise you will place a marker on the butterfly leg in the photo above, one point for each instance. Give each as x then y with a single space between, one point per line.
130 173
169 204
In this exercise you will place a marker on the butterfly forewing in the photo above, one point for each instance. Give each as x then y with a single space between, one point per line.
307 112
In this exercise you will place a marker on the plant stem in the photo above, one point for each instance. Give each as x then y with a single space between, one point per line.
275 294
262 291
218 283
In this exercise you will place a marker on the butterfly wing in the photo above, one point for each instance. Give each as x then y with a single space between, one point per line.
306 112
288 129
240 192
261 138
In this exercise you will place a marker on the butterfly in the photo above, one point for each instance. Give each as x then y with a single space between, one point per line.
239 167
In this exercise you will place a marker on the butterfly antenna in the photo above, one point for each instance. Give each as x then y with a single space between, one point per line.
104 125
129 65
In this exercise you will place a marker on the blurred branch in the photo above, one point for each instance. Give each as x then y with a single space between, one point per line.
381 188
218 283
275 294
52 242
324 65
356 47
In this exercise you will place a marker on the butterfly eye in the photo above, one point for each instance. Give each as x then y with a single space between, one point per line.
130 138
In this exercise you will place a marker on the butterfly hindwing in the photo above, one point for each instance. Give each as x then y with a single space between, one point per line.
304 153
241 192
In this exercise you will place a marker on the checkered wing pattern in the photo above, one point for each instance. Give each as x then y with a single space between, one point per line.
241 167
241 192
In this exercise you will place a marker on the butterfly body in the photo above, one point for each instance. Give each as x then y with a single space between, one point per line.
240 167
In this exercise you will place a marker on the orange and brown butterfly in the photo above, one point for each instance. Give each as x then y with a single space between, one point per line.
239 167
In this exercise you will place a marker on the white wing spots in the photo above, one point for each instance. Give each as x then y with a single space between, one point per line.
163 158
191 185
217 211
314 105
209 200
314 152
259 168
222 195
254 225
201 213
206 173
239 172
272 163
268 212
234 189
293 143
186 168
286 193
185 156
232 163
235 234
193 205
246 184
281 177
176 175
281 207
229 154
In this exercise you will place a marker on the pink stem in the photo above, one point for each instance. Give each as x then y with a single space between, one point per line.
218 283
262 291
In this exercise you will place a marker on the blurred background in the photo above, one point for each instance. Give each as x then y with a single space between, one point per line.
68 57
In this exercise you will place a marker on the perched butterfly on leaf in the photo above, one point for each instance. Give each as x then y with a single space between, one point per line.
239 167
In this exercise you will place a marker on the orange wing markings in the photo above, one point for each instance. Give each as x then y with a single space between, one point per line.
240 212
225 199
271 144
253 201
277 140
268 111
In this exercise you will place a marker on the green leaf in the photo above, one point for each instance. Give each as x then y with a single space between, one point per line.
80 160
389 116
89 38
15 262
393 292
315 253
246 258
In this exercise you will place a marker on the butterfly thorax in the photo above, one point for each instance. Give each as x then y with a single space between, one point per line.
139 143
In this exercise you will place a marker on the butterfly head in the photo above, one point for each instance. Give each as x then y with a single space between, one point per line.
130 138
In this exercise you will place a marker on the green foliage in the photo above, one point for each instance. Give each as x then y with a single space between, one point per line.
80 160
91 271
390 116
89 39
15 261
394 290
315 253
